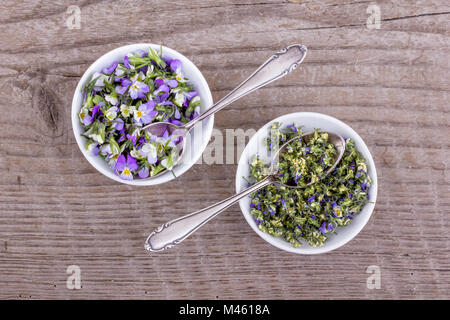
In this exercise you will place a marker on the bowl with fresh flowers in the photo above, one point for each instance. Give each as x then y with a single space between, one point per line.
125 90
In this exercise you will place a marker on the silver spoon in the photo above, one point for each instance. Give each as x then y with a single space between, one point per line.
175 231
279 65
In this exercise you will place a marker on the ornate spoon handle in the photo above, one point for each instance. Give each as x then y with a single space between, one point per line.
279 65
175 231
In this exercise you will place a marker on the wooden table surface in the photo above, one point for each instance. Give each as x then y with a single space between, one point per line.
390 84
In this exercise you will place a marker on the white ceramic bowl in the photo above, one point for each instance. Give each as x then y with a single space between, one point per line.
308 122
200 135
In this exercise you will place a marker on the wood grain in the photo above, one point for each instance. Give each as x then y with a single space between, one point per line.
391 85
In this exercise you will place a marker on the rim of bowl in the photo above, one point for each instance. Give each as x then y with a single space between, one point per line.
179 170
284 245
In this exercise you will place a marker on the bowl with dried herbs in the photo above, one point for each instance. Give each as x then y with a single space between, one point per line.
127 89
320 217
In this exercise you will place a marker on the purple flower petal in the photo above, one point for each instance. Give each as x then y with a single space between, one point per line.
132 138
191 94
172 83
95 151
159 82
125 176
163 97
175 65
125 82
176 122
141 53
118 124
143 173
87 120
126 62
323 228
111 68
120 90
120 163
132 163
167 60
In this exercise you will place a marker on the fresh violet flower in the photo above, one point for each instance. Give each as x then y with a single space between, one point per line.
126 167
138 90
118 124
145 113
143 173
111 68
311 199
167 60
101 79
161 88
163 84
96 108
195 115
141 53
111 113
95 151
175 65
138 77
126 62
172 83
190 94
150 151
93 148
127 110
162 99
122 88
175 122
142 140
87 119
113 99
122 138
132 138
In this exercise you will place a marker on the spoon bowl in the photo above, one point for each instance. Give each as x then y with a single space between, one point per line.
333 138
158 129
